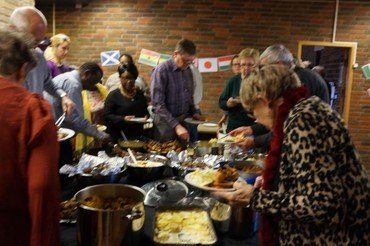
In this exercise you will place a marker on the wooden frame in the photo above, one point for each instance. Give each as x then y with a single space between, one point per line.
352 46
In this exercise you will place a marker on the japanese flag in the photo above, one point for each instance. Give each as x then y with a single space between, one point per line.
207 65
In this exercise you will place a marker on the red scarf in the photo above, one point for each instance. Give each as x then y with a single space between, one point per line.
269 230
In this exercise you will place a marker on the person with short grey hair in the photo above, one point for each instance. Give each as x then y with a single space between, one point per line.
29 180
279 54
31 21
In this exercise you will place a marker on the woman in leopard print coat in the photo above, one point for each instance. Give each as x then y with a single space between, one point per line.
315 191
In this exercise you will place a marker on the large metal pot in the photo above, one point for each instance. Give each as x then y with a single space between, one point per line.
103 227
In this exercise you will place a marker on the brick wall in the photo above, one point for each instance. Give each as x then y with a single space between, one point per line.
7 7
221 27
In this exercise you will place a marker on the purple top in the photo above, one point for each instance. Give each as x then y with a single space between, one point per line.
172 92
55 70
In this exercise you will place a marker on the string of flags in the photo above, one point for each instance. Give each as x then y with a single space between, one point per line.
152 58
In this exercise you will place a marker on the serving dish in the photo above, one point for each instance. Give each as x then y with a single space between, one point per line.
183 225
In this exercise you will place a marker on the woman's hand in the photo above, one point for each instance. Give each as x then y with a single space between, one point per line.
232 102
245 130
245 144
258 183
241 197
128 117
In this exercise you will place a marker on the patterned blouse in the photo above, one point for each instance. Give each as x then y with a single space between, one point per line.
323 195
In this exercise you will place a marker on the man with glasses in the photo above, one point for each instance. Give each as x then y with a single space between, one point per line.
172 94
87 77
32 22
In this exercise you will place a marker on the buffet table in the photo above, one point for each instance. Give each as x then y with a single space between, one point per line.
69 231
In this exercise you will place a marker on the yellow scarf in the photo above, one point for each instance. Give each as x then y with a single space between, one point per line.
81 139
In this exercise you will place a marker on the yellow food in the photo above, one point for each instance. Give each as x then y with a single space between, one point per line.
179 227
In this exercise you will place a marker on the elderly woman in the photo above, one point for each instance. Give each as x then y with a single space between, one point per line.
314 189
29 183
56 53
229 99
124 104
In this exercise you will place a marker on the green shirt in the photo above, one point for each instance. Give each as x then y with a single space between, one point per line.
238 116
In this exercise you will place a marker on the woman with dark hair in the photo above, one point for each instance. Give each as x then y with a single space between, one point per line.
113 81
124 104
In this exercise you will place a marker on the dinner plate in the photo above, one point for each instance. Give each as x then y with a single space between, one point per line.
141 120
68 221
189 179
209 124
193 121
67 132
101 128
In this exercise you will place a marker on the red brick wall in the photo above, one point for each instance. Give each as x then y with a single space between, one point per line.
219 28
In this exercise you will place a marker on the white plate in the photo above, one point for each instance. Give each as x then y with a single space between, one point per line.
141 120
195 122
209 124
188 179
70 133
101 128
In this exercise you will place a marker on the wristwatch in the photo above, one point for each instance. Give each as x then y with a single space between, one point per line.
63 94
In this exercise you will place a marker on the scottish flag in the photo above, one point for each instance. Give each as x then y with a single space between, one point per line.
109 58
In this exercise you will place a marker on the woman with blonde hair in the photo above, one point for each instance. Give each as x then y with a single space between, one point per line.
56 53
314 189
229 99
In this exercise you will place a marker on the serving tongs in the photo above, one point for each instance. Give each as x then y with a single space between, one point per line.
133 158
59 121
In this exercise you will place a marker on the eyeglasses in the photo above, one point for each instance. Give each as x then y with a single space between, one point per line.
236 64
247 65
187 59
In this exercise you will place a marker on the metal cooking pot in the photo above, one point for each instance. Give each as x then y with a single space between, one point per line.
102 227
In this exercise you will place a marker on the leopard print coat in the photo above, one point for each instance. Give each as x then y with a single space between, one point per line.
323 195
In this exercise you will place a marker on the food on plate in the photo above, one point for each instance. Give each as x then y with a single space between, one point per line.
224 177
251 169
226 174
114 203
68 209
183 227
61 135
233 139
202 177
100 127
146 164
163 148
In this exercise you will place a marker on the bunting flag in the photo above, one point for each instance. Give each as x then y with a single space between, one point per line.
207 65
164 58
224 62
149 57
366 71
109 58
